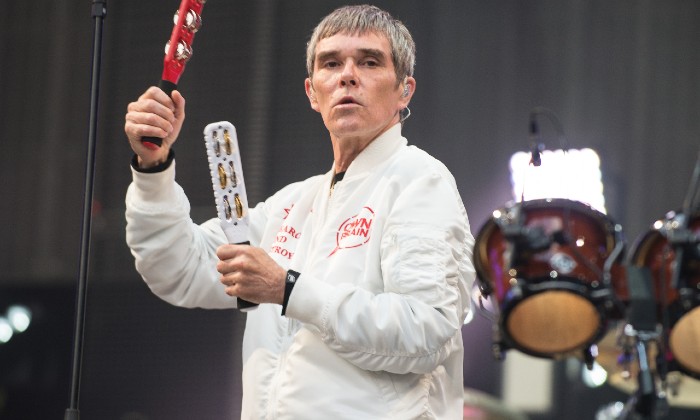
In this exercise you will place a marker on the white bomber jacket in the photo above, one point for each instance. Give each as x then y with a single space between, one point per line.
373 326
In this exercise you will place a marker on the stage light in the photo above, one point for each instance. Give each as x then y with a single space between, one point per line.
6 331
570 174
594 377
19 317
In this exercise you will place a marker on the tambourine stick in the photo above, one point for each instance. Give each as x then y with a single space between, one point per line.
178 51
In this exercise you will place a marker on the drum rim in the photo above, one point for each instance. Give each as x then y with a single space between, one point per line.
645 240
598 334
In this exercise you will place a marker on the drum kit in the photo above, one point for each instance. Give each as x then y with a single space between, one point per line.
562 286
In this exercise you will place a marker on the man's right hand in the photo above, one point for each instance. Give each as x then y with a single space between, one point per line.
154 114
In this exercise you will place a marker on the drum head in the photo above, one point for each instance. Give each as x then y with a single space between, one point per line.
685 341
553 322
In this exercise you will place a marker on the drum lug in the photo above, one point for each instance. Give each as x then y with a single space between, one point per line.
516 290
686 299
609 305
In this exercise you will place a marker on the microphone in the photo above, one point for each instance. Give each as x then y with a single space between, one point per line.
535 146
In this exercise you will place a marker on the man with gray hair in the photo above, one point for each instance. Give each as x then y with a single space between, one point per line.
362 274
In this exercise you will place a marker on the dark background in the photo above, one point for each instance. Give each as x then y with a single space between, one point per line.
621 75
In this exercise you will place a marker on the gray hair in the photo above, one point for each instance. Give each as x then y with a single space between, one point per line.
358 20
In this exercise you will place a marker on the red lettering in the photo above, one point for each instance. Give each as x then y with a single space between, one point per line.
291 231
282 251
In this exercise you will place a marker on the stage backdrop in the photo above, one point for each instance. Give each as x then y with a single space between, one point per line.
622 77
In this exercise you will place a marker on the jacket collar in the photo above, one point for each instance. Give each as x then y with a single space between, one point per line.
377 152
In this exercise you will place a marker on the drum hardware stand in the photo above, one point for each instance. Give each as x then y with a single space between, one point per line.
646 402
625 359
642 328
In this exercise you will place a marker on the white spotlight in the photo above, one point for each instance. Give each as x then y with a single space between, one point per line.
594 377
5 331
571 174
20 317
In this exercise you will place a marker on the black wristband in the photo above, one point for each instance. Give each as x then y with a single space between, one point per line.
290 281
158 168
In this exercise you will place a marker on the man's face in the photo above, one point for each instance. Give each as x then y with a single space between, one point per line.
354 86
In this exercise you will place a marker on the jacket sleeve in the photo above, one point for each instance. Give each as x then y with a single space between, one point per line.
175 256
427 271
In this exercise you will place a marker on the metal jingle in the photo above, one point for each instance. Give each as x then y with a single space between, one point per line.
217 145
193 21
234 178
222 176
227 208
227 140
239 206
182 53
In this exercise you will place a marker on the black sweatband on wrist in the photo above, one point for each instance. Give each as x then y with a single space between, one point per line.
290 281
154 169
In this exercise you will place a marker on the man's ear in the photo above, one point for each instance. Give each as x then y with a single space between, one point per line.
408 88
308 86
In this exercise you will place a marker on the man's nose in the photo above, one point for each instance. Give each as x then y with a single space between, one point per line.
348 77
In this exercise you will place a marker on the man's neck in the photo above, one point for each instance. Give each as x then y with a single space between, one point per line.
346 149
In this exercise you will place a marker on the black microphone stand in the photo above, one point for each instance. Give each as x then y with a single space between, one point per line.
99 10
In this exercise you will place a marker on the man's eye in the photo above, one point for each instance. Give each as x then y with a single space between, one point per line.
330 64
